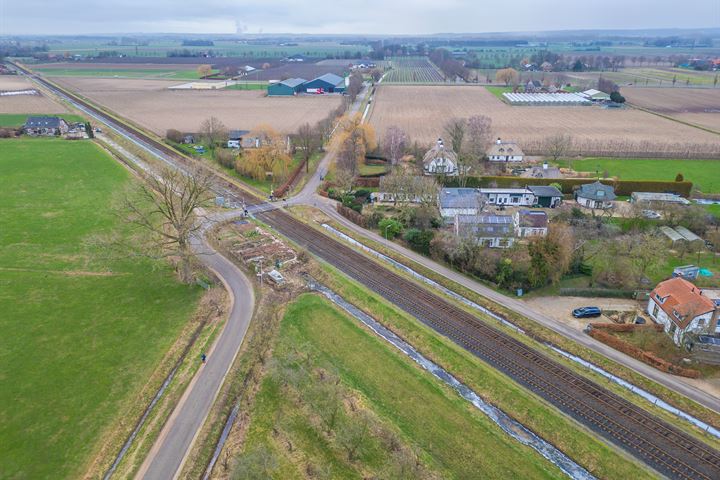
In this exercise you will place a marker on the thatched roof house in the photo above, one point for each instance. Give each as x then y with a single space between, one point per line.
440 160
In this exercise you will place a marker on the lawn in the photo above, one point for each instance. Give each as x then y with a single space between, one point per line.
14 120
81 335
498 91
372 169
175 74
407 403
705 174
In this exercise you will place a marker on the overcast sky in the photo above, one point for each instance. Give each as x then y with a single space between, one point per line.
363 16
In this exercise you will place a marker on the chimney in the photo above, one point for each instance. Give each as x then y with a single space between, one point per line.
498 141
545 165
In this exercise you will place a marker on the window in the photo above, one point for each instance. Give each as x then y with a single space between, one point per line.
515 200
656 309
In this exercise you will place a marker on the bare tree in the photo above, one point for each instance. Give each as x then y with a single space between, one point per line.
308 141
557 146
395 143
507 76
479 137
204 70
213 131
455 129
164 210
355 85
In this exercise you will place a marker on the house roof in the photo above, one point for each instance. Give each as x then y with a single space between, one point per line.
43 122
592 93
505 148
535 83
597 191
293 82
681 300
439 151
459 198
485 225
545 191
508 191
532 218
331 78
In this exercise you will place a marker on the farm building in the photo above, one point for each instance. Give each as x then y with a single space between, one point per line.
440 160
505 152
286 88
459 201
530 223
595 95
495 231
546 196
546 99
595 195
328 83
682 308
45 126
656 198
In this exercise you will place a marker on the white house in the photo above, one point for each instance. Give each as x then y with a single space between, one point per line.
440 160
505 152
530 223
514 197
682 308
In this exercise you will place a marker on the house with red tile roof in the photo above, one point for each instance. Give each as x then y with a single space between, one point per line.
682 308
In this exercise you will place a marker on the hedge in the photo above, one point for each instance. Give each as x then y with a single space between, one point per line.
622 187
597 292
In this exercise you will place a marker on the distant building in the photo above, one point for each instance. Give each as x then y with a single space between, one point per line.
440 160
45 126
328 83
530 223
495 231
286 88
596 95
505 152
546 196
595 195
682 308
533 86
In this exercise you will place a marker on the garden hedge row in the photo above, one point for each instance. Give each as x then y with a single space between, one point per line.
622 187
597 292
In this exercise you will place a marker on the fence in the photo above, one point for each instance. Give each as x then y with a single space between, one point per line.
285 187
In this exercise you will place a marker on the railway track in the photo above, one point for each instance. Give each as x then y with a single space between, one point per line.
653 441
663 447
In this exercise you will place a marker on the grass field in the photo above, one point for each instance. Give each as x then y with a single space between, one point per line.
18 119
444 431
498 91
80 335
705 174
248 86
173 74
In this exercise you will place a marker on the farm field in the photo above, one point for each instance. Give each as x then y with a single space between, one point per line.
80 335
172 72
404 402
694 105
151 104
423 110
25 103
647 77
413 70
705 174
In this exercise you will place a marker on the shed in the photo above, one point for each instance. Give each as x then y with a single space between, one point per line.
286 88
688 235
328 83
688 272
546 196
596 95
671 234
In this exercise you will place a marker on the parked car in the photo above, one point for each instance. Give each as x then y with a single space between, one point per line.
586 312
651 214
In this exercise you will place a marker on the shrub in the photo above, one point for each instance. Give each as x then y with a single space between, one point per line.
419 240
616 97
390 228
6 133
225 157
174 135
679 177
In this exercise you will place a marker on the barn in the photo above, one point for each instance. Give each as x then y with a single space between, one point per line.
328 83
289 87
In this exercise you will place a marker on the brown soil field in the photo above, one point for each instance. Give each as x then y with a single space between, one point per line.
696 105
122 66
25 103
151 104
423 110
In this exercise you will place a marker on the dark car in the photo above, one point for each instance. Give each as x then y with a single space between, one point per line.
586 312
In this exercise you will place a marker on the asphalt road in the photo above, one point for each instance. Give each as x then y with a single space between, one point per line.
169 452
